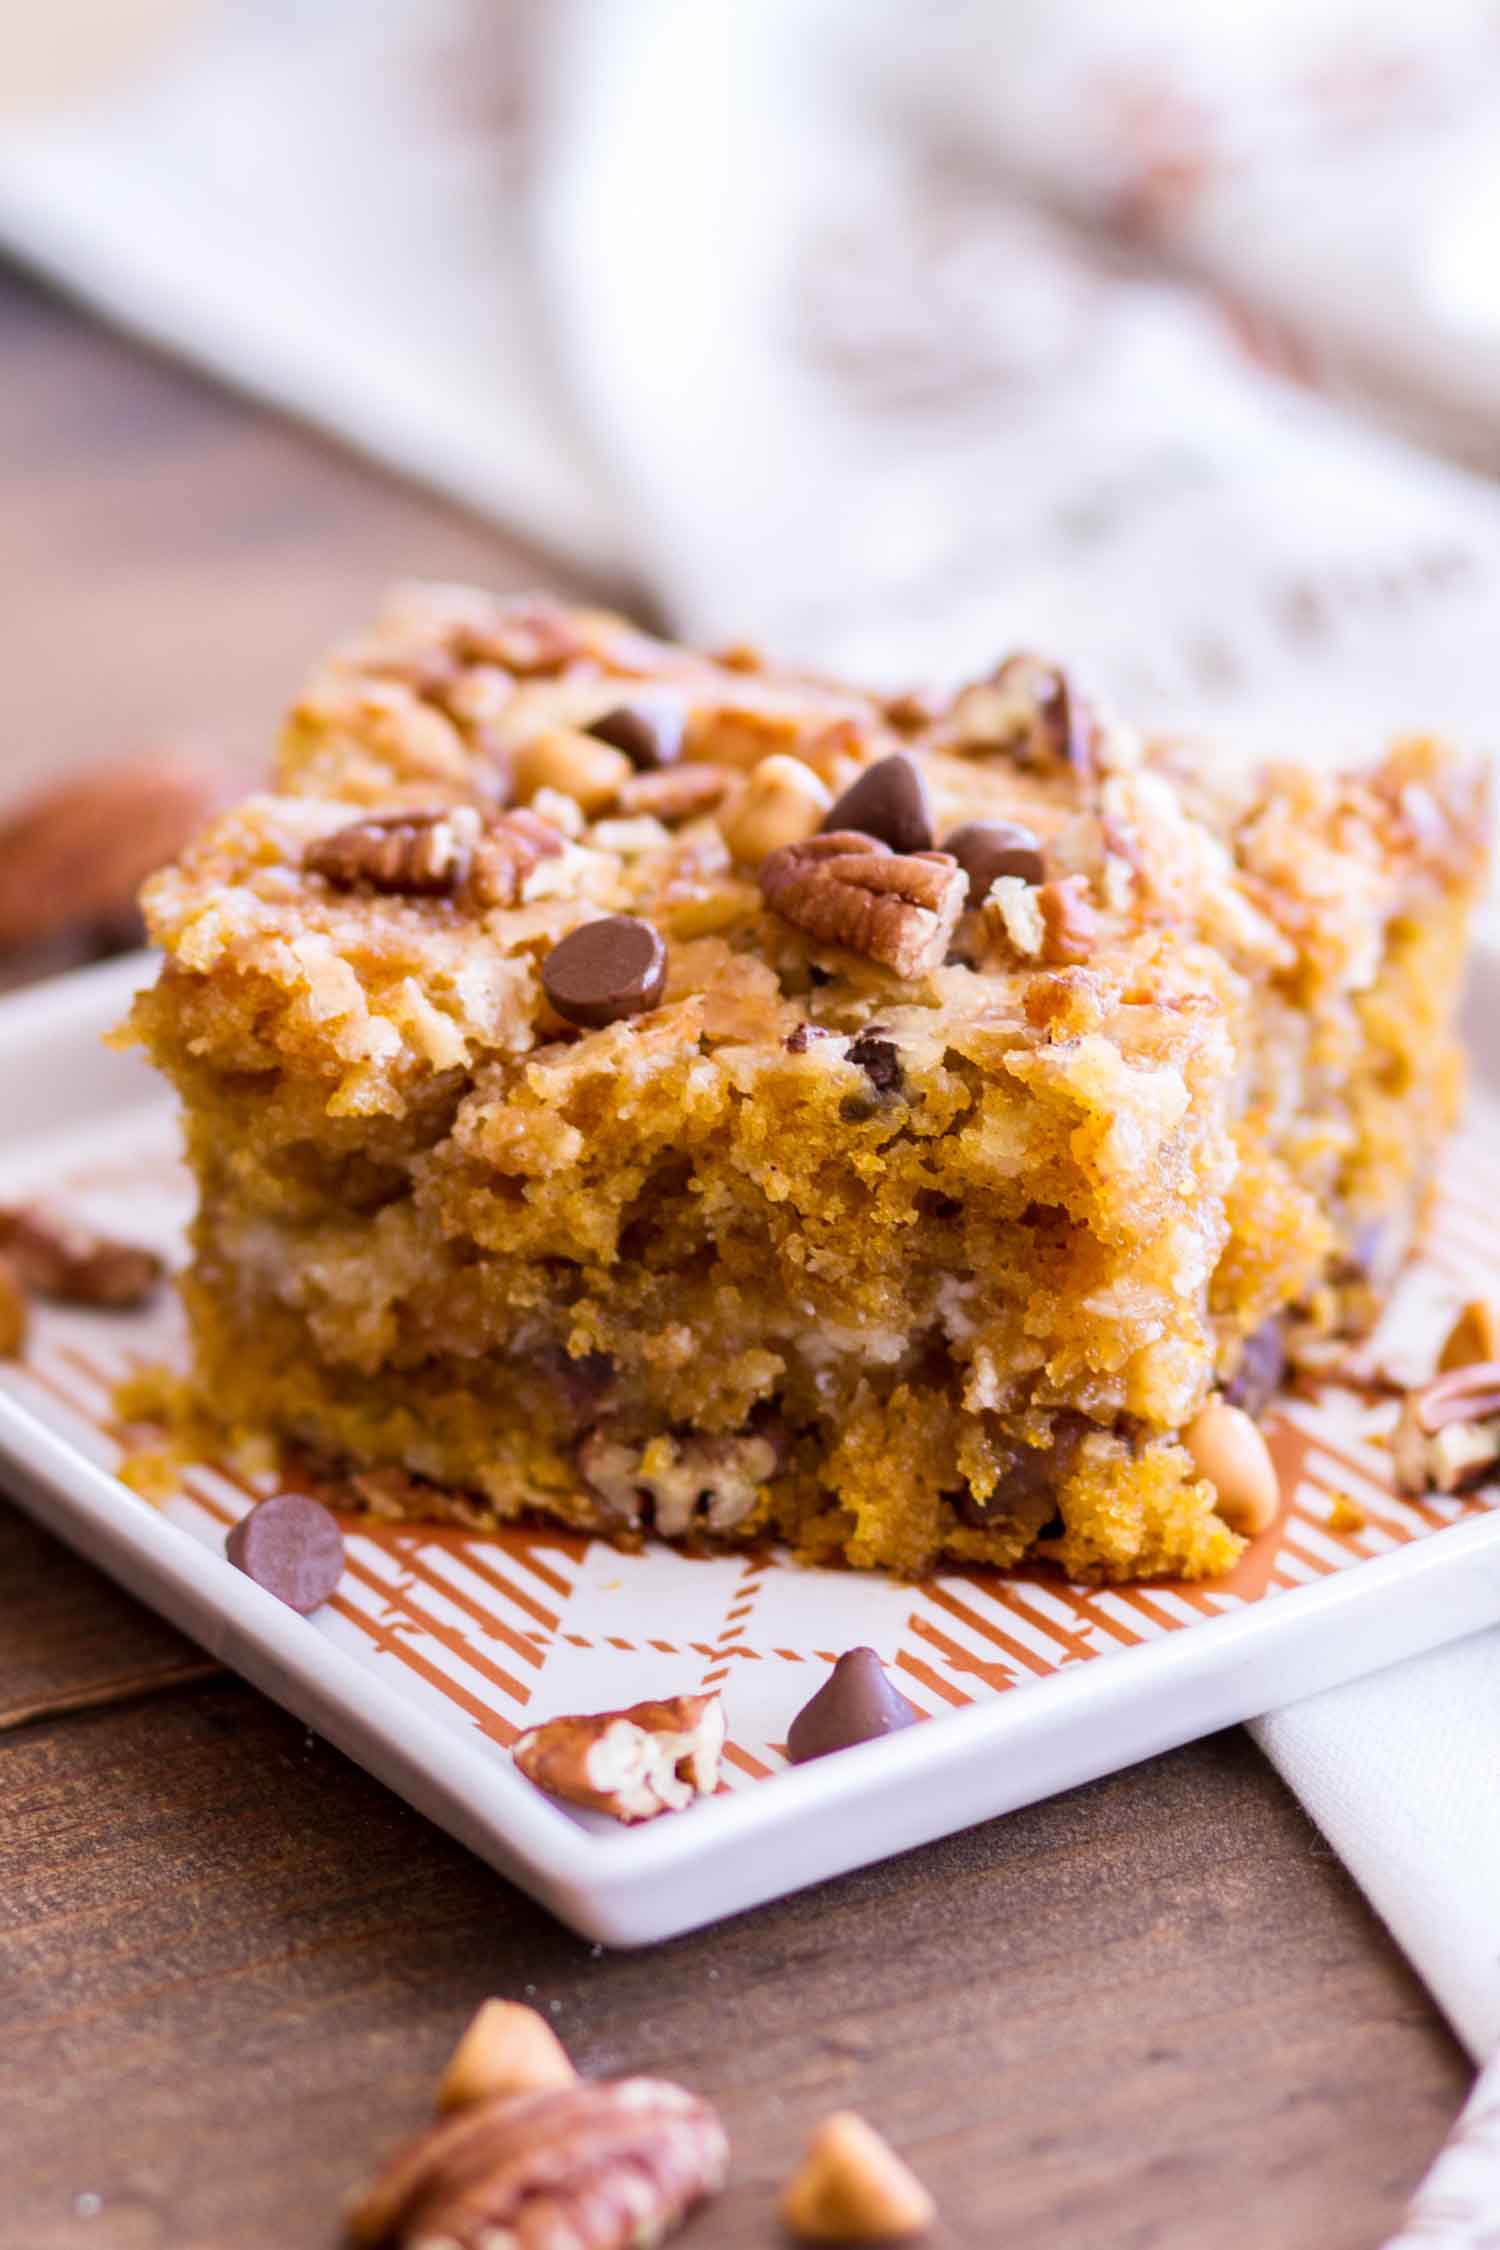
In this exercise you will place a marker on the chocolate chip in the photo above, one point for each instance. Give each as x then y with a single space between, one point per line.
1258 1377
856 1703
988 849
604 970
292 1546
1031 1472
888 801
879 1060
650 734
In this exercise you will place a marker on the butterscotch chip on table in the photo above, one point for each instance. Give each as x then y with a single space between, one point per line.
852 2187
507 2049
905 1188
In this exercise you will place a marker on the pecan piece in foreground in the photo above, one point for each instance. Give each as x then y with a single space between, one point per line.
510 850
897 908
586 2167
424 854
652 1758
60 1257
1448 1437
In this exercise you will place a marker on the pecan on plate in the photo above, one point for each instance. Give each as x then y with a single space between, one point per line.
677 1484
587 2167
61 1257
1448 1437
897 908
425 854
634 1764
510 850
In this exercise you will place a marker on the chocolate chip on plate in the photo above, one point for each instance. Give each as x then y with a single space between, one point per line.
888 801
649 733
291 1545
605 970
856 1703
988 849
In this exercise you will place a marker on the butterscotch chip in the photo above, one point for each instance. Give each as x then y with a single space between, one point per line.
1229 1452
1474 1336
507 2049
605 970
852 2187
14 1312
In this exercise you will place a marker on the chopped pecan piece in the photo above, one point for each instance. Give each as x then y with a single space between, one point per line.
528 635
585 2167
1070 923
510 850
676 792
634 1764
61 1257
421 853
1030 709
898 908
1448 1436
677 1484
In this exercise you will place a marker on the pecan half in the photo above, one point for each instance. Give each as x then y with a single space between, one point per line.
634 1764
510 850
1070 922
677 792
61 1257
585 2167
1448 1437
421 853
897 908
678 1484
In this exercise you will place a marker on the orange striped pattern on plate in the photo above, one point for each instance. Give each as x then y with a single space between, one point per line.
502 1630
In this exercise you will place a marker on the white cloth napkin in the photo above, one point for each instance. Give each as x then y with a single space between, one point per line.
744 308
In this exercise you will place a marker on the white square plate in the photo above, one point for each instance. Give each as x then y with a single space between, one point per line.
440 1645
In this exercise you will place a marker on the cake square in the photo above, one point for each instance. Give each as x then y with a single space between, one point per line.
677 1096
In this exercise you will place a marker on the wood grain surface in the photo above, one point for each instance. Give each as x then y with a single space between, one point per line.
1150 2015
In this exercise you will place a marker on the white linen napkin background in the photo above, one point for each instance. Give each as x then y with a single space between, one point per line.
740 311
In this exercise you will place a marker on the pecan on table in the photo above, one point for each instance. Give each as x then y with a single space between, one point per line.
897 908
587 2167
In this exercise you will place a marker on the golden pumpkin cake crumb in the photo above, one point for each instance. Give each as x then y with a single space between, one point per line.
673 1097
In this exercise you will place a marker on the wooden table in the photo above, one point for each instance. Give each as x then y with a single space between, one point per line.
1153 2012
